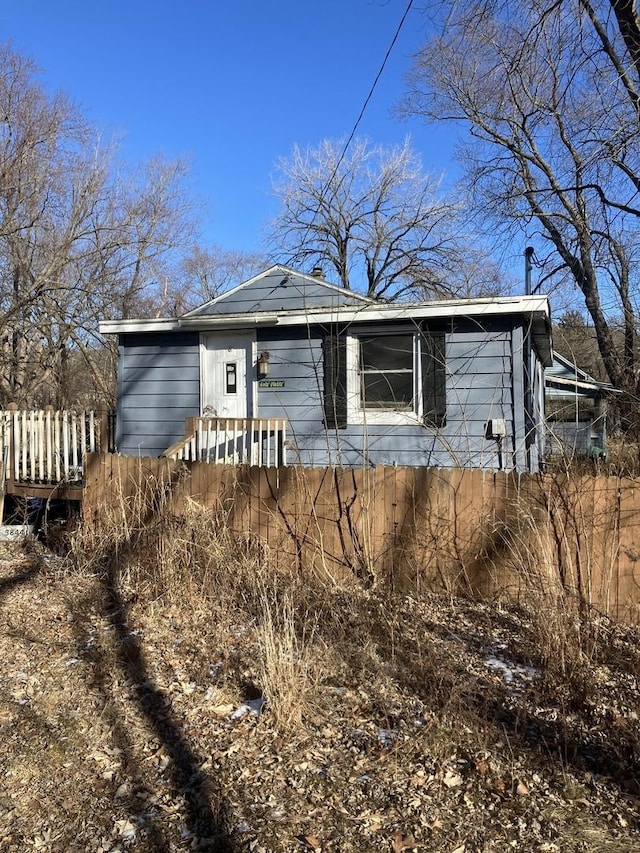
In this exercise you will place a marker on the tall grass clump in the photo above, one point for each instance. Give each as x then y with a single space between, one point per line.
289 669
182 554
565 631
173 551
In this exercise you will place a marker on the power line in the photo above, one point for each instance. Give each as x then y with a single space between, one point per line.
372 89
361 114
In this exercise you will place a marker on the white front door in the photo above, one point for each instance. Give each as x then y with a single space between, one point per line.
226 384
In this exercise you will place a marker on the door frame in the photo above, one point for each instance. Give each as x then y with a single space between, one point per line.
238 336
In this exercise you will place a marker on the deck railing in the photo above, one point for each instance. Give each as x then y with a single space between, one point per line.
45 446
232 441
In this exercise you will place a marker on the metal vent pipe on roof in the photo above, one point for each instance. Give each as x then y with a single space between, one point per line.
316 272
528 257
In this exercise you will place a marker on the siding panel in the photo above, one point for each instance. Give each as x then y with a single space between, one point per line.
479 387
269 293
159 386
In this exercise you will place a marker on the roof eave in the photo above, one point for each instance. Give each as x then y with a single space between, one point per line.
535 308
566 382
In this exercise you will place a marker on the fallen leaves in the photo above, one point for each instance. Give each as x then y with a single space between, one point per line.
452 779
125 829
401 842
385 768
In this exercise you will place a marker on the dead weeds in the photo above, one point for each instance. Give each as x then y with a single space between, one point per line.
293 717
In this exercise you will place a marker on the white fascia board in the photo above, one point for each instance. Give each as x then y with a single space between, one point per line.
593 385
526 305
173 324
534 306
572 368
114 327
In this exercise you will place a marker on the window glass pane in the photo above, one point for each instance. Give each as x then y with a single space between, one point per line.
388 390
387 352
231 376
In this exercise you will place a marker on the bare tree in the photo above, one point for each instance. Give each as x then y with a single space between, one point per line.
81 237
204 273
575 339
371 215
549 93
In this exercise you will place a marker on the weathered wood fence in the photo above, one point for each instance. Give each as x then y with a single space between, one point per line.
455 530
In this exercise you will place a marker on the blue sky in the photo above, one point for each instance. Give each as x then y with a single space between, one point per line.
230 85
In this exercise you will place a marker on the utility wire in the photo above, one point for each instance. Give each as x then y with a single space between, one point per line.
361 114
372 89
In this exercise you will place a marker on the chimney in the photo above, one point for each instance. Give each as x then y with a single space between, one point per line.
316 272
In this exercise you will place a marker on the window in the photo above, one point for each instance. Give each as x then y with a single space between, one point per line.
387 373
382 376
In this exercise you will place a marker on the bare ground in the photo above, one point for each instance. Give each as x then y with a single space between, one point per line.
433 724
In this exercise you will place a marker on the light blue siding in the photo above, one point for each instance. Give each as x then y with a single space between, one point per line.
279 290
479 387
158 387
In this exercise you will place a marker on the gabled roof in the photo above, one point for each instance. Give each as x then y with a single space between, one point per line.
281 297
279 289
565 377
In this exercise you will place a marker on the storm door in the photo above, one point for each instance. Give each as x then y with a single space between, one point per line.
226 375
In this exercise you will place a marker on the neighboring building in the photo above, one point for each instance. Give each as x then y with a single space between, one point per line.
455 383
576 409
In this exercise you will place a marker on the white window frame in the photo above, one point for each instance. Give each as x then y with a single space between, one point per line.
356 413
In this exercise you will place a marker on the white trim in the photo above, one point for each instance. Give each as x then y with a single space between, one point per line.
538 306
230 323
592 385
358 415
575 376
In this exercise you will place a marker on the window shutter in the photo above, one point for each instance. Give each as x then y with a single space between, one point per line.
434 386
335 379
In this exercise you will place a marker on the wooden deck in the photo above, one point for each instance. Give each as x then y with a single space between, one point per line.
43 451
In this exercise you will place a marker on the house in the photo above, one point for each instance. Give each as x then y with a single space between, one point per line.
452 383
576 409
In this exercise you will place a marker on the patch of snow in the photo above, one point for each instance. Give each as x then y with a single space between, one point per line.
386 737
511 670
251 706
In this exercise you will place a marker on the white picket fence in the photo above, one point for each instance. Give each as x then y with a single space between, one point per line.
233 441
45 446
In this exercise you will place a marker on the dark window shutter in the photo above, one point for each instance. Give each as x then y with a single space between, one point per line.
335 379
434 384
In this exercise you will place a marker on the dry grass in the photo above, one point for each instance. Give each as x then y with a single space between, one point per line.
385 724
290 663
195 559
624 458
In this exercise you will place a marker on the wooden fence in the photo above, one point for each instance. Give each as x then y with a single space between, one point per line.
417 528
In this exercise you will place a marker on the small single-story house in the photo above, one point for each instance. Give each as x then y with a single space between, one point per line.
452 383
576 409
